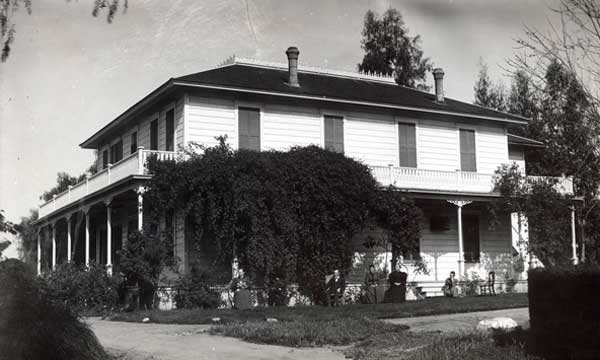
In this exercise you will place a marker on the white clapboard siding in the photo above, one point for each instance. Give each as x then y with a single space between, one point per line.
371 139
492 149
437 146
207 118
284 127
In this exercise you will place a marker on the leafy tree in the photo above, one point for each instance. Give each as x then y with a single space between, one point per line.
8 8
390 51
486 93
547 213
64 180
522 99
28 233
8 227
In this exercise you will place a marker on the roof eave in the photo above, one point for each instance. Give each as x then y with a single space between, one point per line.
90 143
524 121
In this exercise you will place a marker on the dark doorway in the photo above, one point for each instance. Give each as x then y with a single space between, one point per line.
470 225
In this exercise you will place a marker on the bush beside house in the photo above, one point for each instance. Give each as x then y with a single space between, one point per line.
564 312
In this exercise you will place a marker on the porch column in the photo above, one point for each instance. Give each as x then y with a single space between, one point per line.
53 245
69 238
573 236
86 211
108 237
461 256
39 252
140 199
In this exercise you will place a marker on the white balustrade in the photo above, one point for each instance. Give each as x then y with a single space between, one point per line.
134 164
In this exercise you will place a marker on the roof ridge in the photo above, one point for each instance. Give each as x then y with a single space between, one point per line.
232 60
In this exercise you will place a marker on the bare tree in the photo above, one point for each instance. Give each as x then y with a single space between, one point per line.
572 39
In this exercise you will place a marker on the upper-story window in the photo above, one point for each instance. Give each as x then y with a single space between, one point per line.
134 146
407 144
249 128
116 152
170 130
334 133
104 159
154 134
468 156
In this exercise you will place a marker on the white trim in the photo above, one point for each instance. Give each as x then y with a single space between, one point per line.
186 105
366 103
169 107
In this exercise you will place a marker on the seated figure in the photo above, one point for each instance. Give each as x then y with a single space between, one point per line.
450 287
370 289
241 295
335 289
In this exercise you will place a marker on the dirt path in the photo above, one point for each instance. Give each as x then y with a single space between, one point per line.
190 342
461 322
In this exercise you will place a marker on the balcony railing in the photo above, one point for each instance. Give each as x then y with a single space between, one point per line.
134 164
452 181
401 177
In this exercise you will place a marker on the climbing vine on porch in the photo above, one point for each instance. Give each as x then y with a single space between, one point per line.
288 217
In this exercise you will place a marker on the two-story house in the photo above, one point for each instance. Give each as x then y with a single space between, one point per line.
440 151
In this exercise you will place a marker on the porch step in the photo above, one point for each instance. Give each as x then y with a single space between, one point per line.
431 288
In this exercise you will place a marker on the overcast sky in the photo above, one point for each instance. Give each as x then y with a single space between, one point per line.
69 73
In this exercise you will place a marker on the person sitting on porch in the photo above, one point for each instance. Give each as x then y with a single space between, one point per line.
335 289
491 283
397 291
450 287
371 283
241 295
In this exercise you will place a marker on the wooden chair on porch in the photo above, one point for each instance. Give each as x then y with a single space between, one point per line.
488 287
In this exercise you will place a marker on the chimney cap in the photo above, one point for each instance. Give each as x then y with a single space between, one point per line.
438 72
292 50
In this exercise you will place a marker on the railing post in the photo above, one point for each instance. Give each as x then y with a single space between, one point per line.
108 171
69 191
54 201
140 152
390 174
87 184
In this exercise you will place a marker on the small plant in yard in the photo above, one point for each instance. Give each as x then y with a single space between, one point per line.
89 291
471 284
193 291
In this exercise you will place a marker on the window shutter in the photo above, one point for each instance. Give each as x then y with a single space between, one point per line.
334 133
133 142
468 160
170 130
249 129
154 135
407 144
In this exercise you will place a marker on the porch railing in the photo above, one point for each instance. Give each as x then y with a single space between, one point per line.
454 181
134 164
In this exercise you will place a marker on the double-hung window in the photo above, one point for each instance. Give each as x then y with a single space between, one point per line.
407 144
116 152
134 146
468 156
249 129
334 133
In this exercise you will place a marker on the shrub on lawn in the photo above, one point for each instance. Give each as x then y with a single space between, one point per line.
34 327
193 291
90 291
563 310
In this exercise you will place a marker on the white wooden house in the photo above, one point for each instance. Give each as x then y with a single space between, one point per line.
440 151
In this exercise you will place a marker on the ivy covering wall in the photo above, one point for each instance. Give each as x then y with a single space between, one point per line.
288 217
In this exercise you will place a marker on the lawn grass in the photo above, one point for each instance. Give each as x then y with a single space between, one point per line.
430 306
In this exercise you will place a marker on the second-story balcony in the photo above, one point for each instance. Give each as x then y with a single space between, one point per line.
134 164
452 181
400 177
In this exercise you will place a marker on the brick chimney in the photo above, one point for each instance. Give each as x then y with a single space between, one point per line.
292 55
438 76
